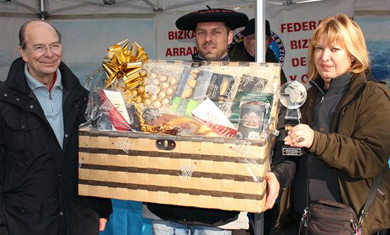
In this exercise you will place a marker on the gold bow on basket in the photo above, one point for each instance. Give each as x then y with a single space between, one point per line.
124 71
122 64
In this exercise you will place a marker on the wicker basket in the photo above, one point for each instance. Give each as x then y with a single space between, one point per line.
217 173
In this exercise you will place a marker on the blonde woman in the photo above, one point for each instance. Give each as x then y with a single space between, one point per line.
345 129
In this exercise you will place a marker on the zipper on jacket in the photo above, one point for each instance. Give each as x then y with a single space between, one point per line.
385 201
319 104
304 217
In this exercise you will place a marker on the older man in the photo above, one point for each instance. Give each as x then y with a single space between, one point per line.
41 106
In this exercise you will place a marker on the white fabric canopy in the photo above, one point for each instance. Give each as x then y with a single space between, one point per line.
62 8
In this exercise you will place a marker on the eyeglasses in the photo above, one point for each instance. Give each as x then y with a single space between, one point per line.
40 49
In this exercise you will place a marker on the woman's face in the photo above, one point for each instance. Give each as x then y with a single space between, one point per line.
331 61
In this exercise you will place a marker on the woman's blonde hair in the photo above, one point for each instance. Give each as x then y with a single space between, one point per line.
347 34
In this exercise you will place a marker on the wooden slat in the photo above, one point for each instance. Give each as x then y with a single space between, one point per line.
222 203
249 169
174 181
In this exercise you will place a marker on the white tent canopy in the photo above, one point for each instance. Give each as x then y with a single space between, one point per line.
137 8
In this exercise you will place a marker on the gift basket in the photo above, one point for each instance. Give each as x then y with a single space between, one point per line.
181 133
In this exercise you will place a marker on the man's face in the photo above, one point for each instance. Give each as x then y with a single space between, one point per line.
250 44
212 39
43 51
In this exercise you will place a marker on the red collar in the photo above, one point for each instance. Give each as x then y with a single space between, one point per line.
54 81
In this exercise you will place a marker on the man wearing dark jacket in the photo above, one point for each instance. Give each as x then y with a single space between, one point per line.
213 33
245 50
42 105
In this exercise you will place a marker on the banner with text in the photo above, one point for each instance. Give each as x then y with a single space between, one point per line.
291 26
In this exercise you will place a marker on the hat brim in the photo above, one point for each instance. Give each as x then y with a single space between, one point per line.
230 18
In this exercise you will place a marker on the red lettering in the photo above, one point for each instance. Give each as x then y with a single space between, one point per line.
283 27
188 35
294 62
181 35
168 52
303 61
298 61
175 51
304 26
298 26
170 35
299 44
289 27
293 78
191 51
293 44
312 25
305 43
180 51
303 78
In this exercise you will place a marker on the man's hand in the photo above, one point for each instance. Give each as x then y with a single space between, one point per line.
102 224
273 190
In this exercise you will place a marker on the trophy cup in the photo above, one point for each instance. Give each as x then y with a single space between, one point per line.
292 95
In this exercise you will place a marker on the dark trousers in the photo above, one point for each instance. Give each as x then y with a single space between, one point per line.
86 221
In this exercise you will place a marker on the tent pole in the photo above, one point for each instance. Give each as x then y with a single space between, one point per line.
258 220
42 13
260 31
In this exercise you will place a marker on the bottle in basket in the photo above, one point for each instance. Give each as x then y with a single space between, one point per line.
252 120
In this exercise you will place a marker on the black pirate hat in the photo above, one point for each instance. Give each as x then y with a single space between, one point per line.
231 18
250 28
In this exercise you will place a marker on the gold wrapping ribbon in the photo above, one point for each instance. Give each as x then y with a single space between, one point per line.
124 64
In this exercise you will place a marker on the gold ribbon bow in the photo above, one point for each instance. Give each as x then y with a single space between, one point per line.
124 64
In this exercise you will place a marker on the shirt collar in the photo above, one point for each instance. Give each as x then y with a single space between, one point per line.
339 82
199 57
34 83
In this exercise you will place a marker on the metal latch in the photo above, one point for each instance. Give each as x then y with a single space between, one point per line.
165 144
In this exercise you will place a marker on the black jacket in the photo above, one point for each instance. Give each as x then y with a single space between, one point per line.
239 53
39 179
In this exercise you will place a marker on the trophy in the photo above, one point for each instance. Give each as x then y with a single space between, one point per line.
292 95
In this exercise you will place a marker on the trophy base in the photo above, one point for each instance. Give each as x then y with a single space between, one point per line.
291 151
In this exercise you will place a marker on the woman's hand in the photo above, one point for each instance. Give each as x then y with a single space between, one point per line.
300 136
